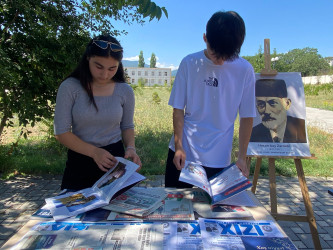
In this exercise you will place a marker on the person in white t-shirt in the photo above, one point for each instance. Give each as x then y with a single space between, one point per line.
211 87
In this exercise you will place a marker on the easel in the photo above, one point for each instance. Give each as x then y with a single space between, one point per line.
310 218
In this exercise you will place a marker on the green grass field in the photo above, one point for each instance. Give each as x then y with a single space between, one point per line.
42 154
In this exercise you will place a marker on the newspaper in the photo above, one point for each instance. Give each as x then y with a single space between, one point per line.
76 235
242 234
182 235
176 206
228 182
99 195
138 201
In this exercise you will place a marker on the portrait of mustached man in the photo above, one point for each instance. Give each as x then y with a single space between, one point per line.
276 125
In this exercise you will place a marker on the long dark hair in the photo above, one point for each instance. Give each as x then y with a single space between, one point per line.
82 71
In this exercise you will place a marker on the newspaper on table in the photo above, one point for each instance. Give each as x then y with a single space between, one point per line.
204 209
243 234
138 201
230 181
176 206
99 195
182 235
78 235
44 213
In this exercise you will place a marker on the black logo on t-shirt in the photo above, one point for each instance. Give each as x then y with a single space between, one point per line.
212 81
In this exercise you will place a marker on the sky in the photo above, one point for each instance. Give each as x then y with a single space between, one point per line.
289 24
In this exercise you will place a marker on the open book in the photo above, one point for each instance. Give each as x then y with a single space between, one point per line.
228 182
112 183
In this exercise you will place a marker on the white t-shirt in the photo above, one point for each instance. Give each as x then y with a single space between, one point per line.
211 96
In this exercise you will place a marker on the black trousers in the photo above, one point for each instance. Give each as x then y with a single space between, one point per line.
172 173
82 172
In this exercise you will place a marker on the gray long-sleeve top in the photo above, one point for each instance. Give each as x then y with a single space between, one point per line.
74 112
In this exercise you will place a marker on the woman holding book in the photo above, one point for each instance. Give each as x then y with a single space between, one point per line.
94 115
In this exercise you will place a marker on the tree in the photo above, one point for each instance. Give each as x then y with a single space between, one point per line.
153 61
41 41
307 61
141 63
257 61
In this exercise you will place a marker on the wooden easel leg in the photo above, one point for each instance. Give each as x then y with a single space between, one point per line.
256 175
308 205
272 185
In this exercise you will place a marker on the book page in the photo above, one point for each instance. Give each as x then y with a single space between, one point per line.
114 179
71 204
240 199
195 174
227 183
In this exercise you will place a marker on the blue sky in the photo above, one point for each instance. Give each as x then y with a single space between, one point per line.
289 24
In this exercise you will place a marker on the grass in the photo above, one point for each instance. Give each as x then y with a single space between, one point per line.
42 154
319 96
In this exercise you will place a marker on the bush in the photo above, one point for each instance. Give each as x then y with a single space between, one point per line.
156 98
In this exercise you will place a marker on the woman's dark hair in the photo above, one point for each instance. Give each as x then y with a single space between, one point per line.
82 71
225 33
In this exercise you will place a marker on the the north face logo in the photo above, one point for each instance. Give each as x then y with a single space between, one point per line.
212 81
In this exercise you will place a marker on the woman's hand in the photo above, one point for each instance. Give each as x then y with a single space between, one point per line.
104 159
131 154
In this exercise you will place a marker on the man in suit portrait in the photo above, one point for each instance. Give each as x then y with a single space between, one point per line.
272 104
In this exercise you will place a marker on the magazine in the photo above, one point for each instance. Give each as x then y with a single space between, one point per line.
44 214
228 182
204 209
138 201
243 234
111 184
176 206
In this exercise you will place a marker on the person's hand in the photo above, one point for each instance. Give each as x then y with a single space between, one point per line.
104 159
179 159
241 164
132 155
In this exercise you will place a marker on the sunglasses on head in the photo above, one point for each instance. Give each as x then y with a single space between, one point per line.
104 45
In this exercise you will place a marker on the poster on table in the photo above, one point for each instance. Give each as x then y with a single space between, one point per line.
279 129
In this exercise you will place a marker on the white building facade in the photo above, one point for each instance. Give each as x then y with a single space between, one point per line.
149 76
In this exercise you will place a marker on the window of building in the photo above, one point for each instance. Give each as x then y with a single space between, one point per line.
165 73
139 73
146 80
133 80
133 73
152 73
146 73
159 73
152 81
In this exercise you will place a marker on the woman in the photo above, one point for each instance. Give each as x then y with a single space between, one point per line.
94 115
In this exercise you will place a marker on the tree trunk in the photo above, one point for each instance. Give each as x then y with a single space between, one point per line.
2 124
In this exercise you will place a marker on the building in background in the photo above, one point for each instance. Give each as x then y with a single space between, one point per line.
149 76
